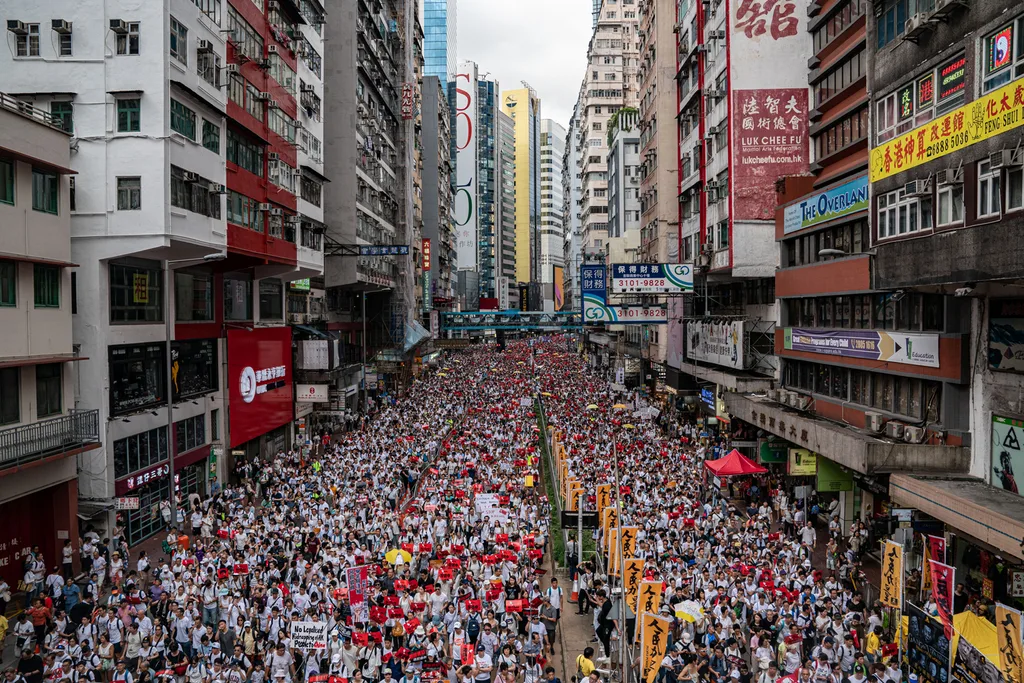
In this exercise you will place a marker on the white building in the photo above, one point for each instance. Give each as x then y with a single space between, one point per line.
552 148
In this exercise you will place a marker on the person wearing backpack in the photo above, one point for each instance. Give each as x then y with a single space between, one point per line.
473 627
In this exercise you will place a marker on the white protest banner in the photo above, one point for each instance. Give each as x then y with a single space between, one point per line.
309 635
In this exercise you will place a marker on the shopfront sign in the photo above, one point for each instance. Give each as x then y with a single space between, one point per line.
1006 334
772 452
717 342
598 311
833 477
1007 452
802 462
905 348
140 479
651 278
707 398
822 207
126 503
259 381
990 115
311 393
1017 583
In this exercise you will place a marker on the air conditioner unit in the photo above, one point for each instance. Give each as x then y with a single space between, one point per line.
263 96
949 176
273 6
60 26
714 93
1006 158
702 48
894 430
918 188
308 87
273 104
773 395
915 26
272 49
204 45
946 7
273 156
190 177
801 402
264 207
18 28
913 434
263 63
295 318
875 421
276 212
717 35
704 261
216 188
715 130
635 180
231 69
707 248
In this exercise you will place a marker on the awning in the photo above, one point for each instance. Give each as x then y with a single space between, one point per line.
39 360
91 509
37 162
990 514
306 168
739 382
39 260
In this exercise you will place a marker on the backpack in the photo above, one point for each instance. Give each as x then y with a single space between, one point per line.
473 627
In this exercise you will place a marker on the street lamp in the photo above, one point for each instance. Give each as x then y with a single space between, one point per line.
209 258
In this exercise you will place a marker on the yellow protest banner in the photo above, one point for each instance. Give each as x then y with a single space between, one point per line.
1011 658
613 552
648 600
999 111
604 496
654 631
634 574
609 518
529 481
575 495
629 534
892 575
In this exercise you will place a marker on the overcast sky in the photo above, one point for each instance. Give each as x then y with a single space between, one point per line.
542 42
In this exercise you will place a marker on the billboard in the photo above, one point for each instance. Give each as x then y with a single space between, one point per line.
652 278
717 342
465 160
311 393
827 205
597 310
1006 335
888 347
558 277
259 381
767 60
1007 454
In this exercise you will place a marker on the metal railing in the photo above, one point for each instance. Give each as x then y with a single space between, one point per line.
25 109
26 443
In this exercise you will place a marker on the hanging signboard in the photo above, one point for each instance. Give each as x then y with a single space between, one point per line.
890 347
717 342
652 278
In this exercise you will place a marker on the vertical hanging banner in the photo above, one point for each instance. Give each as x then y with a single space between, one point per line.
465 158
613 552
943 580
609 519
892 575
357 588
648 600
928 649
934 549
654 631
629 534
604 496
1011 657
634 573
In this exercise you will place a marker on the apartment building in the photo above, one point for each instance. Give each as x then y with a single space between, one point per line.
549 240
505 212
43 430
438 247
572 236
523 106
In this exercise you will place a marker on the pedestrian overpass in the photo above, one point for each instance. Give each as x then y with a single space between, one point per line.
509 321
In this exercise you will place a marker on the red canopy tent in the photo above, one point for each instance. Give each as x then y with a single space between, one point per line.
733 465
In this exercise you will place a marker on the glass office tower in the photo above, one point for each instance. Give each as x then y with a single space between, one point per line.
439 43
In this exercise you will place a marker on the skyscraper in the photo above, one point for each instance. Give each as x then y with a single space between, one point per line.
440 19
523 105
549 240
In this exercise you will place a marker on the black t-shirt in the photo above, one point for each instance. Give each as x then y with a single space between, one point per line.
32 664
603 617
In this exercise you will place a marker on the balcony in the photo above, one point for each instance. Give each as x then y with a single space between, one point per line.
78 430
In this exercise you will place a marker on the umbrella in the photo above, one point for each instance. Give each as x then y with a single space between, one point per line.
619 406
592 406
546 393
689 610
394 554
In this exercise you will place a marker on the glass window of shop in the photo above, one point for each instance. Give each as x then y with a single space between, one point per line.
136 292
138 377
237 296
193 368
139 452
193 297
271 291
189 434
146 521
191 479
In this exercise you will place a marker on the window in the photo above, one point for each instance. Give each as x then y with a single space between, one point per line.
281 174
194 193
282 73
183 120
193 297
723 235
63 111
311 57
10 395
47 286
840 77
49 389
208 66
129 194
128 116
6 181
189 434
8 283
64 44
253 101
193 368
28 42
899 214
44 191
840 20
138 377
244 211
1003 56
271 302
128 43
139 452
892 20
237 296
211 8
951 204
282 124
215 424
988 190
211 136
245 153
243 36
136 292
179 41
1014 188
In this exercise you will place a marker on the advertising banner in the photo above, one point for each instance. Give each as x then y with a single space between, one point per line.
1008 635
971 666
465 159
943 580
802 462
928 649
597 310
772 452
993 114
833 477
895 347
558 278
651 278
1007 454
311 393
827 205
309 635
259 381
1006 334
720 343
891 588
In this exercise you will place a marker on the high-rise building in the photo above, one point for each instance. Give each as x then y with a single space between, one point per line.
438 225
440 46
195 204
550 239
506 213
572 244
43 429
523 105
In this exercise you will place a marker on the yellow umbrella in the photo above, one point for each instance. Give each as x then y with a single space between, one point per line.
441 374
395 553
546 393
619 406
592 406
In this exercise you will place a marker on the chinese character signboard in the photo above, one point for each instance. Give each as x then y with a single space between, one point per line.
998 112
357 580
426 253
634 573
943 579
1008 634
597 310
720 343
140 288
384 250
259 381
408 101
891 590
654 631
465 159
890 347
848 198
651 278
